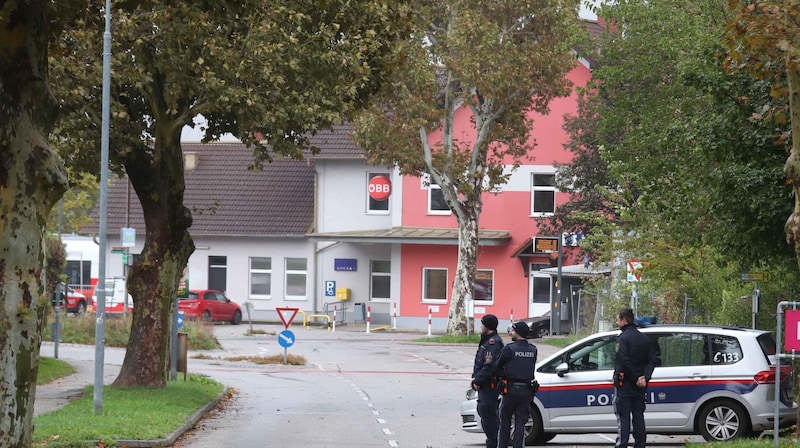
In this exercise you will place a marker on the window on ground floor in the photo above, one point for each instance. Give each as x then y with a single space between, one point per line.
434 284
296 274
484 286
260 277
380 279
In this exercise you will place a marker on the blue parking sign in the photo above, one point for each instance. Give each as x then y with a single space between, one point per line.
330 288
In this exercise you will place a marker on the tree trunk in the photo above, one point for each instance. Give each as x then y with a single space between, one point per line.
792 166
158 180
464 281
32 179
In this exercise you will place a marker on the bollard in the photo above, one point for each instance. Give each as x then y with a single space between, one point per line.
368 311
183 353
334 319
511 317
429 321
394 317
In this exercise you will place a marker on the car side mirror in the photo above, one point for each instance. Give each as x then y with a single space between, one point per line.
562 369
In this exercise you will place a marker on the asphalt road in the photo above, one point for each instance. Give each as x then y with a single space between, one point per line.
358 389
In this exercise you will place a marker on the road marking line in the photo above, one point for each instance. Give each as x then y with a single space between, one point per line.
393 444
387 431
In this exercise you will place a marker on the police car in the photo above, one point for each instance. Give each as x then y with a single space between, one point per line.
718 382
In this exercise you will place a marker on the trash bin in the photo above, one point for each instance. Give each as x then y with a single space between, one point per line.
359 313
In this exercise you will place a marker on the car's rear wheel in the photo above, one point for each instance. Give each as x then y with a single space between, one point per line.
206 316
237 317
723 420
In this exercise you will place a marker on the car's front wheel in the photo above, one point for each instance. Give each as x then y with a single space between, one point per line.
723 420
81 309
237 317
206 316
542 332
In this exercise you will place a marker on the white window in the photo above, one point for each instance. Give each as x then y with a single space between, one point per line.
260 277
543 194
380 279
434 285
484 287
379 189
296 275
436 202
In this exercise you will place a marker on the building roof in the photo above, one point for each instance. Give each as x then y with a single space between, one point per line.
336 143
412 235
228 199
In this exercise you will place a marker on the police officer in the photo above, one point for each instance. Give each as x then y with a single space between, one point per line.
633 367
517 362
485 381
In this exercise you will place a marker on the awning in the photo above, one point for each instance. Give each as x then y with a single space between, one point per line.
411 235
579 270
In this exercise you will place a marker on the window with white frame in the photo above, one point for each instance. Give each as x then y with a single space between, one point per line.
378 190
296 275
380 279
260 277
484 286
434 284
543 194
436 203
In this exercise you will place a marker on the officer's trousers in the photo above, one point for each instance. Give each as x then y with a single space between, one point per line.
487 410
516 404
629 407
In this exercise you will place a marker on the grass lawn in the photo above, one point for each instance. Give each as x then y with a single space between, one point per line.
128 414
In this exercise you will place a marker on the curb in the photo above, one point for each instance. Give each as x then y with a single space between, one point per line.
189 424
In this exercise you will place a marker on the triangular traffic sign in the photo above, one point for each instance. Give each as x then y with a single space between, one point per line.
287 315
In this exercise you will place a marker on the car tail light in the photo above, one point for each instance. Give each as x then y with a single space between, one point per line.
768 376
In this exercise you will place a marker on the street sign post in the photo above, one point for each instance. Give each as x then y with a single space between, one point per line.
286 339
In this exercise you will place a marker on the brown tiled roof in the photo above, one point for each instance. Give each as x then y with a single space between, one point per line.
227 199
336 143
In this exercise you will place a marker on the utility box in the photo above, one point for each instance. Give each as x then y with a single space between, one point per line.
343 293
359 312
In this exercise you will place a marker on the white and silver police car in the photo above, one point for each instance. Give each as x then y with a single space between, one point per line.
718 382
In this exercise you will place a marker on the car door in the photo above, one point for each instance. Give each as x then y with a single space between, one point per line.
576 390
680 378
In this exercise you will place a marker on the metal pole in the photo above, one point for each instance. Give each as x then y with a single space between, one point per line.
173 359
778 331
557 317
100 330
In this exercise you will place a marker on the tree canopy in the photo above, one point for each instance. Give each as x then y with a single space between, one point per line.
495 61
670 165
269 72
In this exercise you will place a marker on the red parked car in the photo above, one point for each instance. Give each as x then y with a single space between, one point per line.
210 306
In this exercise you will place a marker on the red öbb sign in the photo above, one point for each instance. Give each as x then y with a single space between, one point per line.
379 188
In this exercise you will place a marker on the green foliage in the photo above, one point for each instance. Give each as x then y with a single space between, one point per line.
492 62
672 169
56 264
51 369
134 413
81 330
76 205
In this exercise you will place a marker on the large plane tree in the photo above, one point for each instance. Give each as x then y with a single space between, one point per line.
269 72
32 179
498 61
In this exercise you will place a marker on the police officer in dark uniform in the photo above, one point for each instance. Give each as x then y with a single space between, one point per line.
517 362
633 367
485 381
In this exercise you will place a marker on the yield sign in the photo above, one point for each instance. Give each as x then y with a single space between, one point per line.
633 267
287 315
